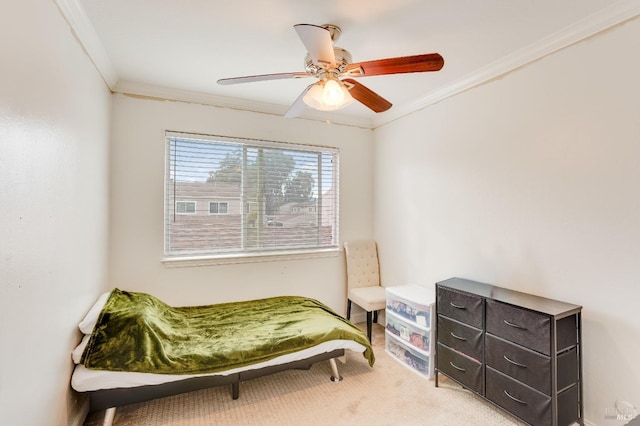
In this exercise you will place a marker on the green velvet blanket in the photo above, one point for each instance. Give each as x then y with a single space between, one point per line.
138 332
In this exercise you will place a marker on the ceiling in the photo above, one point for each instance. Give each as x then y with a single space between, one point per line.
179 49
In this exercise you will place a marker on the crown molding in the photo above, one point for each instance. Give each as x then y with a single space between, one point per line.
151 91
86 34
602 20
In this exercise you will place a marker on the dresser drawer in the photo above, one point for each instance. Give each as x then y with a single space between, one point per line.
527 328
568 403
463 307
527 366
567 332
568 366
465 370
460 337
531 406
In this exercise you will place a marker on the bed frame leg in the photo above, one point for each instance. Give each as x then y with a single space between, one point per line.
235 390
109 414
336 377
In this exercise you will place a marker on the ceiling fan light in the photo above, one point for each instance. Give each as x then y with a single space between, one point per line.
313 97
347 99
332 93
338 96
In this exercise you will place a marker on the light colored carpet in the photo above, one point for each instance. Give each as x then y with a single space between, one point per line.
387 394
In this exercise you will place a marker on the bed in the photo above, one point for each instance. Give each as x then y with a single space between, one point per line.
136 348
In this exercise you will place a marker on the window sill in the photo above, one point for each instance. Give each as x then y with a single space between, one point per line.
183 262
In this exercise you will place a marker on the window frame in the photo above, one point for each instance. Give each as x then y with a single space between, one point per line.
185 202
226 203
319 251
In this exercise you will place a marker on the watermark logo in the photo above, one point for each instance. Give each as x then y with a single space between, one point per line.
623 411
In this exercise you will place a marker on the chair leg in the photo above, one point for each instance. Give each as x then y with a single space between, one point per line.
369 315
375 317
348 309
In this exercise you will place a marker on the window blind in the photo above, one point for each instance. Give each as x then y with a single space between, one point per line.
228 196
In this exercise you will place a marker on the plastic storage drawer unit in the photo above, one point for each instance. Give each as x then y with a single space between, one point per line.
409 327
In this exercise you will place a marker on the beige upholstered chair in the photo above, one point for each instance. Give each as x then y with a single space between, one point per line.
363 280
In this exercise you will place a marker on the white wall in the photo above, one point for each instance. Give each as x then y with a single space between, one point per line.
530 182
54 123
137 175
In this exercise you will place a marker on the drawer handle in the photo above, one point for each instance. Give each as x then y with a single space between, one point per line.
510 324
457 368
515 399
458 337
457 306
514 363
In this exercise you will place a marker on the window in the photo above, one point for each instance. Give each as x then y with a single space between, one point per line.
218 207
185 207
279 198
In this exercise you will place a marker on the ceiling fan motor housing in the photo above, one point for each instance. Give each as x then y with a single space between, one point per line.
343 58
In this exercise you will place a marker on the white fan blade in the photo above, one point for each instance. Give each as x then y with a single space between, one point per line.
318 42
298 106
262 77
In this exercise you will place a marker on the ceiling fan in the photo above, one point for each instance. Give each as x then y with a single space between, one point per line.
332 66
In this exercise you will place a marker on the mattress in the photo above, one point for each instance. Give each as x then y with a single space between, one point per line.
86 380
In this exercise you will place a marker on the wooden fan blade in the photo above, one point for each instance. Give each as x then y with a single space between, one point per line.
403 64
298 105
366 96
262 77
318 42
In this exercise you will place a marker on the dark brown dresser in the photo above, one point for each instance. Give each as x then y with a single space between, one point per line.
520 352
